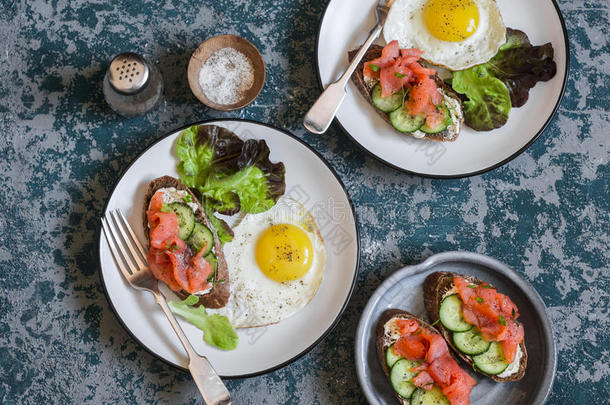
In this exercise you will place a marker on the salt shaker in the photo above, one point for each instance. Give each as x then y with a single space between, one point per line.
131 86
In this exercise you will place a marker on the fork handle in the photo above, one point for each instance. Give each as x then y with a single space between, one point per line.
321 114
210 385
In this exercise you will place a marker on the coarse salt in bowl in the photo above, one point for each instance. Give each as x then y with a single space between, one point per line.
226 72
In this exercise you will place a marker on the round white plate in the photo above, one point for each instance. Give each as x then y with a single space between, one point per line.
345 27
310 180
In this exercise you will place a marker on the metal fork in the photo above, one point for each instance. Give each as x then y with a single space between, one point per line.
321 114
130 258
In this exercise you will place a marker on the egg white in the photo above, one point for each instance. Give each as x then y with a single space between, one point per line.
406 24
255 299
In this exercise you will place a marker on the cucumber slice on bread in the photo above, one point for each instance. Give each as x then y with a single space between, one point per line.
401 375
450 314
186 218
386 104
470 342
492 361
433 396
390 357
211 258
402 121
443 123
201 238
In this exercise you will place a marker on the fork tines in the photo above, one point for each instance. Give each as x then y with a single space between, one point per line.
125 247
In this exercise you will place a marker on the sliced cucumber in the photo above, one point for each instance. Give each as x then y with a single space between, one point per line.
211 258
492 361
386 104
470 342
404 122
186 218
390 357
401 375
450 314
446 121
429 397
201 238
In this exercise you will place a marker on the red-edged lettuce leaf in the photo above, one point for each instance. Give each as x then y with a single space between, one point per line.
232 175
520 65
489 90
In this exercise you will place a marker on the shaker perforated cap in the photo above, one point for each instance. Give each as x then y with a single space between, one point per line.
128 73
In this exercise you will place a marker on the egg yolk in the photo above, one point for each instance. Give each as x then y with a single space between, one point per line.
451 20
284 252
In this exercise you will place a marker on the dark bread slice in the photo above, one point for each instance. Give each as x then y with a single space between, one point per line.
435 286
381 346
219 295
365 88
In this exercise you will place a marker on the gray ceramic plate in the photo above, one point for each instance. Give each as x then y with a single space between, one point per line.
403 290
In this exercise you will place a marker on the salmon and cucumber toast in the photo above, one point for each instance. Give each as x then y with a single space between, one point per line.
184 249
411 97
480 324
418 363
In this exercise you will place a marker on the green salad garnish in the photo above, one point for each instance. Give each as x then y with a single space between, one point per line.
217 329
231 175
490 90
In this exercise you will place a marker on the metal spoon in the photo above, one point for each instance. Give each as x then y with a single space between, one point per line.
320 115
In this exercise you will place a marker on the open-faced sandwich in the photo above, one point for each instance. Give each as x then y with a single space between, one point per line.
480 324
416 359
184 249
409 96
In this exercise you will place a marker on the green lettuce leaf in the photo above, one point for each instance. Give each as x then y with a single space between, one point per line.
232 174
488 100
254 187
225 233
217 329
517 67
195 158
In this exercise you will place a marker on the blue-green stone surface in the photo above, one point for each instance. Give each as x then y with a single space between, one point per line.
546 213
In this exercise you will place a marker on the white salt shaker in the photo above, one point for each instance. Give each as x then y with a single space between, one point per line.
131 86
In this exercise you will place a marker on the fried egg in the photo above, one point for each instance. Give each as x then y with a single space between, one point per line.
276 264
456 34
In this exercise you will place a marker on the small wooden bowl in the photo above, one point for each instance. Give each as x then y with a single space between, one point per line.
206 49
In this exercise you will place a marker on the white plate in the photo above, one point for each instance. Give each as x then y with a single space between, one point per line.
345 26
310 180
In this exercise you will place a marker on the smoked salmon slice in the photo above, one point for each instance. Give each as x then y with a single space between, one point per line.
170 259
493 313
437 366
410 347
407 326
399 69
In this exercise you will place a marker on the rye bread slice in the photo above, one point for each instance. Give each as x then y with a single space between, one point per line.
435 286
382 346
365 87
219 295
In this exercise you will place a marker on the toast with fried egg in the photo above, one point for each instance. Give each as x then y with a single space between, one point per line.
216 295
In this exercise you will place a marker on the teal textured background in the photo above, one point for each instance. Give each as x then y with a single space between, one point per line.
546 213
